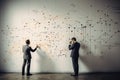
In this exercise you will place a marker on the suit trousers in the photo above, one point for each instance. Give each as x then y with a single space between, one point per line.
28 62
75 65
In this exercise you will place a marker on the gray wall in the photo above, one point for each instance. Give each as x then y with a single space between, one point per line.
51 24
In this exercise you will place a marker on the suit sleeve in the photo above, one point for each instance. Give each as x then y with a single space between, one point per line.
71 47
33 50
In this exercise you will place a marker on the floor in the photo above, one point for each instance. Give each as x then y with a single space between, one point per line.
18 76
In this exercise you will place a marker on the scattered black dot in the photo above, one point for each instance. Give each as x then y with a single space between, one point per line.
48 21
116 22
91 5
90 24
98 10
109 24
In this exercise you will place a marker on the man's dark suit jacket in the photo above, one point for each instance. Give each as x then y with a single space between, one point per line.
75 49
27 51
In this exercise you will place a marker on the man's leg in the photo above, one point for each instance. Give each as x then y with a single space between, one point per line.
23 67
75 65
28 66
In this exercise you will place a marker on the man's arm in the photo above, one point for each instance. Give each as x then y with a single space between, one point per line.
71 46
33 50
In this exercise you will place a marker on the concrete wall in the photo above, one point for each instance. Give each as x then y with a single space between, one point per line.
51 24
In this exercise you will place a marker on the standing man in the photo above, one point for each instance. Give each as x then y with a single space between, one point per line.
74 46
27 57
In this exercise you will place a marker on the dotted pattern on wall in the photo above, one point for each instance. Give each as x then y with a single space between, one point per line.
52 32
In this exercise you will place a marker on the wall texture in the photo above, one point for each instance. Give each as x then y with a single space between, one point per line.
51 24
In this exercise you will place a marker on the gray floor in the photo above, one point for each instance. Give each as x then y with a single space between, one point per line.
18 76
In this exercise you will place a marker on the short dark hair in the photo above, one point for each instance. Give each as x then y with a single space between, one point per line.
27 41
73 38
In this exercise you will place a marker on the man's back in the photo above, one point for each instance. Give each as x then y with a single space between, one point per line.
26 51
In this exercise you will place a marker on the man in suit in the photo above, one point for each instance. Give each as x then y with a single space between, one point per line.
74 46
27 57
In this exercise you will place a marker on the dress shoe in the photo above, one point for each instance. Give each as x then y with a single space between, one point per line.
29 74
74 74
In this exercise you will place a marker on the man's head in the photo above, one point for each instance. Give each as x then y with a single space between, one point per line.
27 41
73 39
